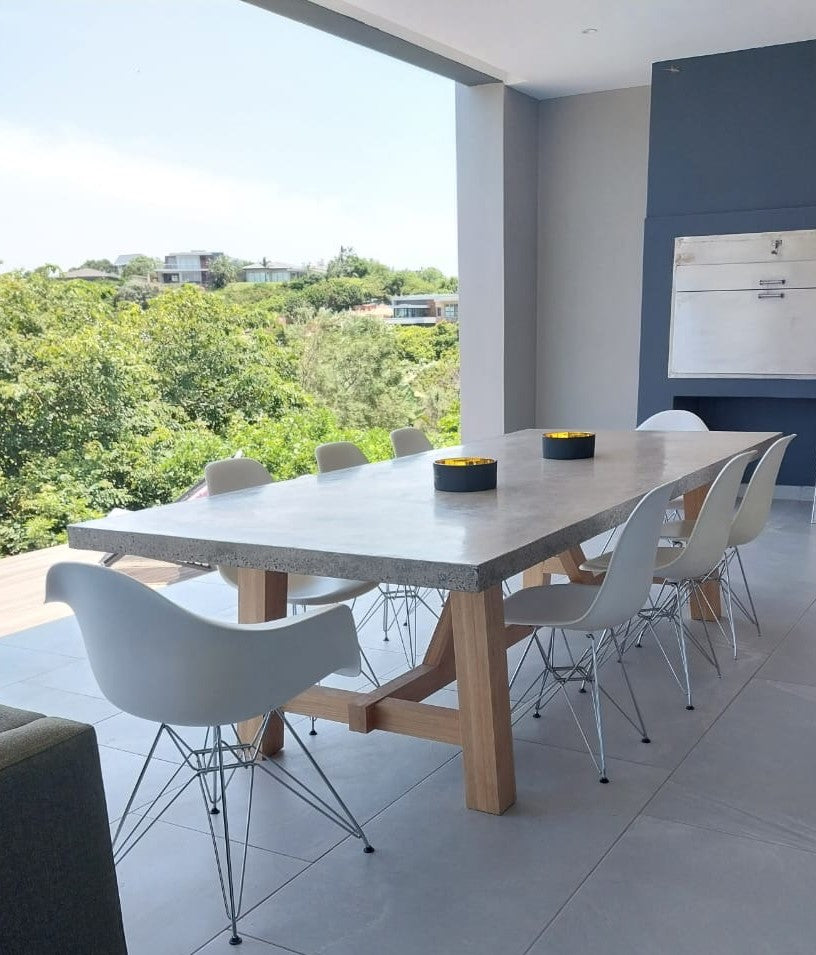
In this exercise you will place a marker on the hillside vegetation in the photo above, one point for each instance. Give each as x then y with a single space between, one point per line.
110 402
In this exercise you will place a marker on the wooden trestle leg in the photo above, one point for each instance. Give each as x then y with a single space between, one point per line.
692 503
484 702
262 597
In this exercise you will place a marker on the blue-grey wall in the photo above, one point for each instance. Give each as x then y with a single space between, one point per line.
732 148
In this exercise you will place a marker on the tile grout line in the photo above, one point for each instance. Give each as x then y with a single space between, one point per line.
642 811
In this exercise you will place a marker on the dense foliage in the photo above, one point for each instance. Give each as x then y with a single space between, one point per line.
116 396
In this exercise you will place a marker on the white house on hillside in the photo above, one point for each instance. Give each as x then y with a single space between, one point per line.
274 272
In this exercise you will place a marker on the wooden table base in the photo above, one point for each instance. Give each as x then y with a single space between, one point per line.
692 503
468 645
262 597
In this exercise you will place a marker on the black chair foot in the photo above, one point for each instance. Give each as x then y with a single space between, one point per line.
645 740
368 849
604 779
690 707
536 716
214 811
236 940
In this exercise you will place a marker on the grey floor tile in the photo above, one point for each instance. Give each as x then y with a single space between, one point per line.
449 881
249 946
369 771
56 636
28 695
794 660
668 889
209 595
752 775
134 735
119 773
171 900
75 676
19 663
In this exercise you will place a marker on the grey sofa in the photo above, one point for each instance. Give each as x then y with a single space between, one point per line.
58 892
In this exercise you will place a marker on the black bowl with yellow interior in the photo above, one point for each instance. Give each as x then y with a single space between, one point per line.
568 445
465 474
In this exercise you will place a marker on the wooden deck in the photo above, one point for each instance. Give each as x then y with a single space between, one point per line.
22 583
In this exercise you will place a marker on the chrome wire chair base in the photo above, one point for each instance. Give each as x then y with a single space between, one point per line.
749 612
669 605
213 766
581 668
399 604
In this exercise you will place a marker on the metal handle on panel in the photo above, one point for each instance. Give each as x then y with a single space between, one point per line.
766 282
770 295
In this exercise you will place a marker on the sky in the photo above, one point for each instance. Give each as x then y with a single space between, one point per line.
160 126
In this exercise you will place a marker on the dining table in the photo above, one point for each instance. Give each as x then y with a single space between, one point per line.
385 522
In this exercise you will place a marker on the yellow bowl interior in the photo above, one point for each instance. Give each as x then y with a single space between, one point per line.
568 434
463 462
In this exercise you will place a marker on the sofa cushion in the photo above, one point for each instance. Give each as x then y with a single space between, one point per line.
11 718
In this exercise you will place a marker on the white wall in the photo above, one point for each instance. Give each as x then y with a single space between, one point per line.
480 226
593 154
497 185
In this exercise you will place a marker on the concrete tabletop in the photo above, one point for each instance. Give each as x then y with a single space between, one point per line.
385 522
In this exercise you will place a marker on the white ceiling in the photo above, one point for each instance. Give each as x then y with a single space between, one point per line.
538 46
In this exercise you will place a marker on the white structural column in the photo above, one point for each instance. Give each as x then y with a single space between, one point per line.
497 197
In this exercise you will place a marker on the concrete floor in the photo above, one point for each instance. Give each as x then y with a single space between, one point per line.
704 841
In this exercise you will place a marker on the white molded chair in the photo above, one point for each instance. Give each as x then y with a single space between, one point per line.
157 661
673 419
748 523
684 570
407 441
337 456
598 611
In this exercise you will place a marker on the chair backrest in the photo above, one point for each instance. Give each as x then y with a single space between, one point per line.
337 455
752 513
407 441
673 420
626 585
709 535
234 474
156 660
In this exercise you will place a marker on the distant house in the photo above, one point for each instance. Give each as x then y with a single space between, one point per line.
187 267
89 275
123 260
274 272
427 309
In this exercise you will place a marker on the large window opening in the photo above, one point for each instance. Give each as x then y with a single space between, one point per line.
210 217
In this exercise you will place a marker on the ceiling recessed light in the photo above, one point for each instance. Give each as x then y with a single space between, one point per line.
587 31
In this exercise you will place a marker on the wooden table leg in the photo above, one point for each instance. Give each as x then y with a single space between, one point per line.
484 700
262 597
692 503
567 563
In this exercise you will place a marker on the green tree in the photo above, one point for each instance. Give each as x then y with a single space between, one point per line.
102 265
141 265
108 402
208 367
352 366
337 294
223 270
136 290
